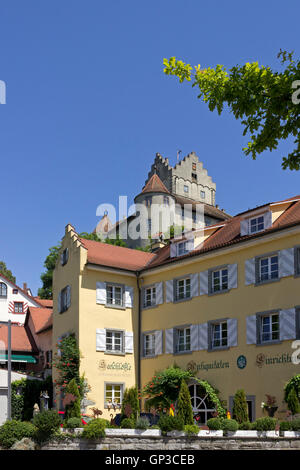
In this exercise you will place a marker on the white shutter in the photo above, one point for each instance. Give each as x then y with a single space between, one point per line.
128 342
100 340
251 329
159 293
68 296
204 282
101 293
169 291
232 276
194 285
203 336
194 337
128 296
268 219
287 324
250 271
169 341
286 262
244 227
173 250
232 331
158 342
189 244
59 302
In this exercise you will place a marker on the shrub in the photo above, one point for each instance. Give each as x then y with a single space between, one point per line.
142 423
293 402
94 429
47 423
240 408
285 426
73 423
127 423
293 383
170 423
155 426
230 425
245 426
265 424
13 431
131 402
24 444
295 425
73 409
184 405
191 430
214 424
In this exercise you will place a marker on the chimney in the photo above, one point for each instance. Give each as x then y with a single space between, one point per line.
25 288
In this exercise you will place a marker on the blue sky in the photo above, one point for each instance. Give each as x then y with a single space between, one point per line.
88 106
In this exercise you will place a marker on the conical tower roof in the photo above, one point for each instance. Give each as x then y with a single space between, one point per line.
155 185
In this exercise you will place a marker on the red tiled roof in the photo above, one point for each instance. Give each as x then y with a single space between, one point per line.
116 256
41 318
209 210
19 338
48 303
33 299
155 185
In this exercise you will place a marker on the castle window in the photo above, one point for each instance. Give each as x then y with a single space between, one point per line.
185 189
166 200
149 225
148 201
194 177
194 166
202 194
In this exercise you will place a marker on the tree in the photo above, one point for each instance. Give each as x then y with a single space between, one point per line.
6 272
131 402
45 292
184 405
293 402
264 100
72 410
240 407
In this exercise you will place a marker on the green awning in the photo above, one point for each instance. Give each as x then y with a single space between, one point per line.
17 358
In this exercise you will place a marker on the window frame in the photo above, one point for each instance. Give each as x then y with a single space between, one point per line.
217 269
1 289
177 330
152 288
153 341
211 326
186 189
201 194
114 286
259 216
113 384
64 300
259 332
65 257
176 288
148 201
20 303
113 332
258 259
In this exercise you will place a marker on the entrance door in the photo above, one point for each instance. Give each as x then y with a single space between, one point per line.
3 405
202 406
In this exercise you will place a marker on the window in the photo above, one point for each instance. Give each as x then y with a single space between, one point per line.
297 260
182 249
64 299
183 342
194 177
148 201
219 280
202 194
64 257
194 166
185 189
183 288
18 307
114 295
256 224
15 291
269 327
268 268
149 344
219 336
150 296
113 394
114 341
149 225
166 201
3 290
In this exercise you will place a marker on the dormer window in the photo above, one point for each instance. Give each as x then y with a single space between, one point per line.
182 248
257 224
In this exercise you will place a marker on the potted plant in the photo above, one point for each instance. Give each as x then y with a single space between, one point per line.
270 406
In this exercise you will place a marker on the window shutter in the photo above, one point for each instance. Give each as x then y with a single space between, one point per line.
287 324
142 342
203 336
128 296
159 293
68 296
158 342
268 219
100 340
232 276
194 285
169 291
286 262
128 342
190 244
204 282
251 329
169 344
59 302
194 337
173 250
232 331
250 271
244 227
101 293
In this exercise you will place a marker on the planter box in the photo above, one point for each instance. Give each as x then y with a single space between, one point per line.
243 433
110 432
176 434
210 433
291 434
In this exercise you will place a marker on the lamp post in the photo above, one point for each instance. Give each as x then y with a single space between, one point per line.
8 323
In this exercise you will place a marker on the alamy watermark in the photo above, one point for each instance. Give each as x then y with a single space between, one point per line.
2 92
296 94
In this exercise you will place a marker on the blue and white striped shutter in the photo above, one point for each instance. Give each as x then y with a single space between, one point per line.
169 291
100 339
286 262
159 293
128 342
204 282
244 227
194 337
189 244
169 341
194 285
287 324
232 331
251 329
59 302
173 250
101 293
232 276
250 271
128 296
203 336
268 219
68 296
158 342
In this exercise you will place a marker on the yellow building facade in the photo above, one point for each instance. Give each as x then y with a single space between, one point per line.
223 303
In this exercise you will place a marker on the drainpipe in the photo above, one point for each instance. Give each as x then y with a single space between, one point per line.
139 334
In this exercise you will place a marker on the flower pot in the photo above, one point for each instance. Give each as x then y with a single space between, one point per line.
271 410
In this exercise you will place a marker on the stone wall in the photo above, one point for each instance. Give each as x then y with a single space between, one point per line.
182 443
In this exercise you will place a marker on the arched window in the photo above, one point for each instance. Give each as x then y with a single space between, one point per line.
3 290
203 407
